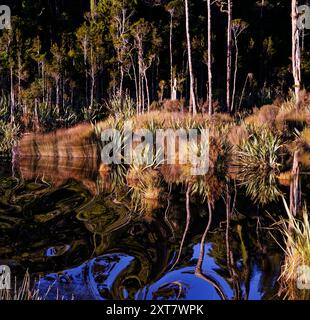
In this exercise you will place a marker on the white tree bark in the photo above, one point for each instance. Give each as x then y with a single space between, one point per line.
296 56
12 95
229 55
171 55
190 65
210 96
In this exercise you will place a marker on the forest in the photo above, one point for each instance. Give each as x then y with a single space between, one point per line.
64 59
72 70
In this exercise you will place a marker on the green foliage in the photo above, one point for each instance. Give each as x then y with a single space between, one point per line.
8 135
93 114
121 107
258 164
260 151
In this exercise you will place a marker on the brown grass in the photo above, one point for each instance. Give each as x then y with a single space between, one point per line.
237 135
265 116
290 119
172 106
296 235
58 172
146 181
76 142
284 178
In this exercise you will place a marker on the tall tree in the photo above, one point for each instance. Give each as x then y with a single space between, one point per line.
121 13
296 56
146 44
90 39
7 55
193 106
210 98
229 55
229 11
238 27
170 8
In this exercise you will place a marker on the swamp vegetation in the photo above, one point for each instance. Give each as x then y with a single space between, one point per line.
90 230
72 227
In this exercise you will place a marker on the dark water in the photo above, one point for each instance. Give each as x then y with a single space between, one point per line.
66 225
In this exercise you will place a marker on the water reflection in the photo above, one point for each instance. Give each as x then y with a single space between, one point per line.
73 225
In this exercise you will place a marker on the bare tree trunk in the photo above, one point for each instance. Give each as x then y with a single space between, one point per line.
44 91
12 96
85 66
209 58
140 75
174 89
190 65
147 92
63 93
121 81
57 94
136 83
171 57
295 186
142 94
235 76
19 78
296 56
92 89
229 46
198 270
188 220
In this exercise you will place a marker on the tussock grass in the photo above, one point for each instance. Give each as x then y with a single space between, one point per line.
265 116
296 234
75 142
8 136
252 144
27 290
237 135
258 162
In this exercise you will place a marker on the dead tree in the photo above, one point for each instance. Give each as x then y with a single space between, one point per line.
296 56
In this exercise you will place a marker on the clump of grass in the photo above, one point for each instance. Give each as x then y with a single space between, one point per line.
27 290
93 114
121 107
305 136
145 185
145 180
260 150
8 136
222 119
209 187
296 234
172 105
237 135
265 116
257 160
289 118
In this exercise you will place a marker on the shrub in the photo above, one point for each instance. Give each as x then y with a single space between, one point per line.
257 160
121 107
8 136
296 234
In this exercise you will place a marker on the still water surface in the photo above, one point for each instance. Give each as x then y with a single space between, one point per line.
63 224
